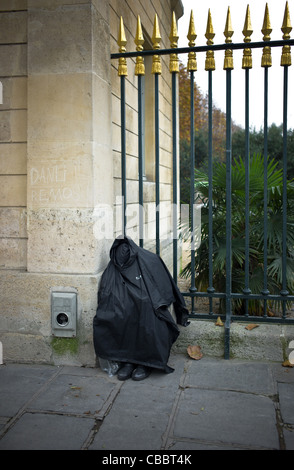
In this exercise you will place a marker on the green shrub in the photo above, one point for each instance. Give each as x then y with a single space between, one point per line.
256 231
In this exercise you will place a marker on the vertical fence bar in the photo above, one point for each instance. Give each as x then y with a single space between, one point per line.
175 176
247 65
284 292
266 62
210 288
285 62
228 216
192 189
192 67
122 72
123 153
265 290
209 67
246 289
140 71
174 69
228 66
157 182
156 70
141 170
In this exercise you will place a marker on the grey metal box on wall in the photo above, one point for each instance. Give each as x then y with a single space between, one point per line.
64 314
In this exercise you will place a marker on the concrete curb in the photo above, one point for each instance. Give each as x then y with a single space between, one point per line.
266 342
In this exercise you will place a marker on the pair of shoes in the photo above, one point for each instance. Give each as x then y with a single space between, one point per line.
141 373
125 372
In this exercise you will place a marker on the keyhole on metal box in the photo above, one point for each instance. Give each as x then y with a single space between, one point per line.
62 319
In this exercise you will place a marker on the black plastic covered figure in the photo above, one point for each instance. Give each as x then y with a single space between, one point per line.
133 324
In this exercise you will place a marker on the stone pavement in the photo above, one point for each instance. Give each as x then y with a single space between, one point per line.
210 404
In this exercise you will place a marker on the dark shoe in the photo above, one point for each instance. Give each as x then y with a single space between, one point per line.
125 372
141 372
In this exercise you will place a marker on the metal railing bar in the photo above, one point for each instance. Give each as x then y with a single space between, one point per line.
265 290
157 173
246 289
261 296
228 212
192 184
175 173
245 319
140 162
234 295
212 47
123 153
210 194
284 292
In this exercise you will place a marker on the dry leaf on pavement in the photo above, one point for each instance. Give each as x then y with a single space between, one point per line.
219 322
287 363
195 352
251 326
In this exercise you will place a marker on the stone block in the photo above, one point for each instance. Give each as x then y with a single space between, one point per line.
52 4
14 93
102 175
60 108
13 60
13 222
13 190
25 320
13 253
60 38
13 126
60 182
267 342
64 241
13 27
13 5
13 158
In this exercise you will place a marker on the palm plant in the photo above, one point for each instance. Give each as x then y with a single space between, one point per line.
256 231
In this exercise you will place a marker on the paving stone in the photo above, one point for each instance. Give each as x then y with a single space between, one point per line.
38 431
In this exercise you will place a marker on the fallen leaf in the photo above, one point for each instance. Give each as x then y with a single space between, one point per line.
195 352
251 326
287 363
219 322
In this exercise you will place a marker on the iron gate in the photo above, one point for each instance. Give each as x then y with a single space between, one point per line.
228 296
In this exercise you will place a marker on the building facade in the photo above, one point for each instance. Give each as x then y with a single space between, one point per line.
60 164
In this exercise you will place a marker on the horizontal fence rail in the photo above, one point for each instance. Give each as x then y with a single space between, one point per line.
213 47
285 295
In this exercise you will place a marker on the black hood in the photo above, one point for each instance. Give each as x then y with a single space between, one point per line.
122 253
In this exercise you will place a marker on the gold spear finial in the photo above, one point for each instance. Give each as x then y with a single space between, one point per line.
139 41
266 60
192 63
173 37
286 29
209 61
156 38
122 42
228 32
247 31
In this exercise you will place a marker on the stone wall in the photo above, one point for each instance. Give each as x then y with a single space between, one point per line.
60 161
13 136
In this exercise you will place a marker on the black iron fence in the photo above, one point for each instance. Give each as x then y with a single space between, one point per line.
282 292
